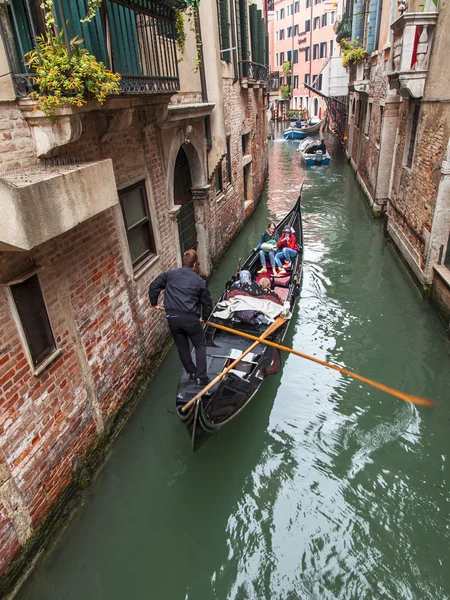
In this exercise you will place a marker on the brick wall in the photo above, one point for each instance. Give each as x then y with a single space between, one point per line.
106 334
16 144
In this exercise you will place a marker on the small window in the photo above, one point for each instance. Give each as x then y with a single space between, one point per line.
332 17
295 30
276 58
296 82
229 171
245 143
368 118
414 121
308 3
288 32
281 13
307 53
141 241
315 51
289 55
288 10
32 312
296 7
281 58
281 34
276 14
219 180
306 78
324 20
316 22
276 34
331 47
323 50
307 25
281 80
295 61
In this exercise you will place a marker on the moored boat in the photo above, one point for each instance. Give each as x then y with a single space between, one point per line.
299 133
229 396
312 154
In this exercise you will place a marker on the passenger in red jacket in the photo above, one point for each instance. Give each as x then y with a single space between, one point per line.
288 246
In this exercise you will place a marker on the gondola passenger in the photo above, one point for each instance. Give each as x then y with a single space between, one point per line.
288 247
267 248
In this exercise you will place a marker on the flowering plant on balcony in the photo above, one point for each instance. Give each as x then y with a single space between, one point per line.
286 91
287 67
66 74
352 53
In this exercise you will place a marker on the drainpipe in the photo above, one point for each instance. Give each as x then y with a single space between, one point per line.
203 80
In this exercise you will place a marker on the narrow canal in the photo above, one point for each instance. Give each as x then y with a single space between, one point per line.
323 488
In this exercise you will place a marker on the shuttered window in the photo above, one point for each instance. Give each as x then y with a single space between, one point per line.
242 34
224 29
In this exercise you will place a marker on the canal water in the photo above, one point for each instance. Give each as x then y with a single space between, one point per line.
324 487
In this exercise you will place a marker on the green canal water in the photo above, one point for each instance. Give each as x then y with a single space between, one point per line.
324 487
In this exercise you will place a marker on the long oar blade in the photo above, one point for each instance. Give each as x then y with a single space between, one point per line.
275 325
419 400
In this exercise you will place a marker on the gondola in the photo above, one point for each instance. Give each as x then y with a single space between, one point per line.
232 393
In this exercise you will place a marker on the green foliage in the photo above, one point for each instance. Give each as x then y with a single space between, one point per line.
179 30
192 3
64 80
352 53
93 6
285 90
287 67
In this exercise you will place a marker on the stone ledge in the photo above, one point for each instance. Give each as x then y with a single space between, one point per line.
443 273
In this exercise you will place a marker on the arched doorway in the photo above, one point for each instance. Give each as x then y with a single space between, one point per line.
182 196
316 107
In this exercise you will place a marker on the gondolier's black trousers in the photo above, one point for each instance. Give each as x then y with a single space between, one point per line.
187 328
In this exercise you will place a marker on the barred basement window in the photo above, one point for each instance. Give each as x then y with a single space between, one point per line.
32 312
229 171
141 241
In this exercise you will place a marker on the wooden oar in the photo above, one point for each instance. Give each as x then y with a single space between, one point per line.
380 386
275 325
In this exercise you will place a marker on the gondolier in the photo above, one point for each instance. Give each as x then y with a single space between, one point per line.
185 298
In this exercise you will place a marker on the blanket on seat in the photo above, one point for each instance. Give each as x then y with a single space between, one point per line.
272 310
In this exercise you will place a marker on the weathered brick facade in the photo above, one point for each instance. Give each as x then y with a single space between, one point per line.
398 146
107 338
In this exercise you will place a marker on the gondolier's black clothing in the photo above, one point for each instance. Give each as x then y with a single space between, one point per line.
186 297
184 293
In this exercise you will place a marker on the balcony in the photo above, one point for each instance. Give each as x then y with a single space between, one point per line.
44 202
135 38
253 74
411 49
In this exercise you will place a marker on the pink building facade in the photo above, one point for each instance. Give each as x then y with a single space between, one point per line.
302 32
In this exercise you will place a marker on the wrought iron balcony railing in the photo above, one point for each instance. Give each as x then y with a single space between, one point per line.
411 50
252 72
135 38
